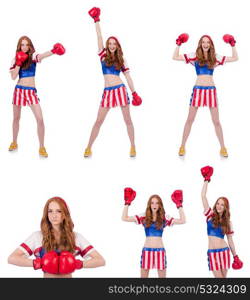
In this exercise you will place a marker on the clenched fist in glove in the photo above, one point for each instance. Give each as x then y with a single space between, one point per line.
229 39
58 49
177 198
237 263
129 195
68 263
182 38
136 99
48 263
207 172
95 13
21 57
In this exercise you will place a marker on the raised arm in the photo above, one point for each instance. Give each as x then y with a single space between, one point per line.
229 39
95 13
57 49
129 196
182 38
204 196
18 258
177 198
206 172
182 217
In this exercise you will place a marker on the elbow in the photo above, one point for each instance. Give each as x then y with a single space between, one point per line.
102 262
183 221
13 76
10 260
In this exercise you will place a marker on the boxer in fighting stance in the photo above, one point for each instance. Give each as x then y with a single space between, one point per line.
154 221
204 92
25 93
115 93
56 246
218 225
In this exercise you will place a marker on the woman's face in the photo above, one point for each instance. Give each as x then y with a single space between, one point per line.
154 205
205 44
220 206
25 46
55 214
112 45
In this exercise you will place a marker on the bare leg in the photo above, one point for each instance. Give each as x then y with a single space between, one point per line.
16 119
218 274
188 124
144 273
218 129
102 113
162 273
224 272
37 111
129 124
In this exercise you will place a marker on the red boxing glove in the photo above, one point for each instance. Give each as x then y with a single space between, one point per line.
229 39
182 38
58 49
48 263
129 195
207 172
21 57
237 263
136 99
177 198
95 13
68 264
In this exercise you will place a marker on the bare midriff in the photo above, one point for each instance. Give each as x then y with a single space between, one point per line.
27 81
216 243
204 80
153 242
111 80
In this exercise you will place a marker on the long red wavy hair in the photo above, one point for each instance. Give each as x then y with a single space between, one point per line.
30 52
211 56
67 237
224 220
116 59
160 213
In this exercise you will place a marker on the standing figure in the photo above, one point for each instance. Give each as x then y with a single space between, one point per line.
204 60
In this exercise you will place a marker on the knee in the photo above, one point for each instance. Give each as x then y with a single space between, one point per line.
128 121
216 122
40 122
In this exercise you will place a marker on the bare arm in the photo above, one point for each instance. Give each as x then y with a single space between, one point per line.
14 72
46 54
177 55
231 244
99 36
129 81
125 216
234 56
181 219
96 260
204 196
18 258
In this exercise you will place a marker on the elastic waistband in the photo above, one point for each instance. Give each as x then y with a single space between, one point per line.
25 87
201 87
217 250
153 249
113 87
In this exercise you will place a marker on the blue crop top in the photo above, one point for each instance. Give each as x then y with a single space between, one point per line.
211 230
29 72
152 230
203 70
110 70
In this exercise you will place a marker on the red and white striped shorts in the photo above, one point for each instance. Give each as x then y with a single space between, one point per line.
115 96
218 259
25 95
153 258
204 96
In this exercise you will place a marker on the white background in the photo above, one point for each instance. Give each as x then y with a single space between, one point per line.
70 89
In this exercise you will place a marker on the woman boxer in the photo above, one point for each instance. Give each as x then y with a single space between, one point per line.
115 93
154 222
25 93
204 92
56 246
218 225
